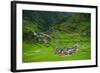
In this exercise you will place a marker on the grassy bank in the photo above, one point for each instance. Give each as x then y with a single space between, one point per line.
41 52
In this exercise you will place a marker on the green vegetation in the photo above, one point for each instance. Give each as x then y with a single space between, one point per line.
44 31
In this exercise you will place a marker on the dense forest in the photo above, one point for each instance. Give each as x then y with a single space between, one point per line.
45 30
